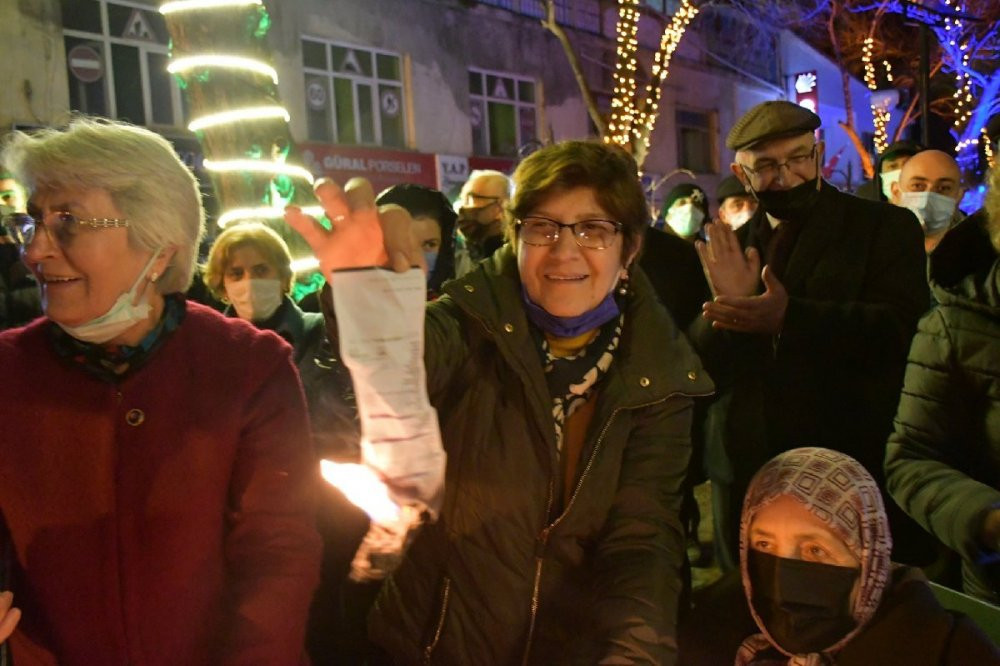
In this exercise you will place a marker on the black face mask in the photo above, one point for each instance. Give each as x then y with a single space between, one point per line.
791 204
806 606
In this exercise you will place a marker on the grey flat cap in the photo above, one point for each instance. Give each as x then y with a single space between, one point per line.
771 120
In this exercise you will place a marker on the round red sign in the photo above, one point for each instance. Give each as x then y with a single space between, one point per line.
85 63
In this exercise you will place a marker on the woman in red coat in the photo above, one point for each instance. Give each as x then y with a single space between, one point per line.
156 478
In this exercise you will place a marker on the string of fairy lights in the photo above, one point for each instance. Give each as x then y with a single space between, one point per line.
272 167
880 113
631 119
964 105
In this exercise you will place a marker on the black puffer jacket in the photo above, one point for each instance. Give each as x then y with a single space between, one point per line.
502 577
943 460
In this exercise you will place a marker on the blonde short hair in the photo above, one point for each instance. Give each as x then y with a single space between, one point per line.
138 168
263 238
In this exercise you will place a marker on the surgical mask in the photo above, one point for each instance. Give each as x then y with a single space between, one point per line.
932 209
122 315
255 299
888 178
739 219
430 258
685 219
805 606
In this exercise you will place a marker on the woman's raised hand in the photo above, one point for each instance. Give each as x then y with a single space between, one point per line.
8 615
361 234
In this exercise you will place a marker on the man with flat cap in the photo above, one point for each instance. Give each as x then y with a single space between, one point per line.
809 351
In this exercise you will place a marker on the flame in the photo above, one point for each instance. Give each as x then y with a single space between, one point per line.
363 488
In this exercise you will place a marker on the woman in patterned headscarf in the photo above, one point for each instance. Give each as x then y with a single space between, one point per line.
814 559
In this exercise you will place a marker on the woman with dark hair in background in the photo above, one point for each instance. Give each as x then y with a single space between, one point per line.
433 229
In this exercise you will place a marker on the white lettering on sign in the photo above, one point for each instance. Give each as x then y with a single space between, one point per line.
370 165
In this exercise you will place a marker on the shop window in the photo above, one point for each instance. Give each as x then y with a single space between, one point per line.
502 112
696 141
354 95
116 61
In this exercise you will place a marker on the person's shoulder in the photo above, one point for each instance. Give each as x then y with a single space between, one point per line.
14 339
869 211
218 333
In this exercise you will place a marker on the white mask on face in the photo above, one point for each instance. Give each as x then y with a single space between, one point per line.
120 317
932 209
739 219
255 299
685 219
888 178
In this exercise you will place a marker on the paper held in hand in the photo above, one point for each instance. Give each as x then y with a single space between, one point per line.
380 319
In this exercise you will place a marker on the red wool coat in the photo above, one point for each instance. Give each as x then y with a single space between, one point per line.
167 519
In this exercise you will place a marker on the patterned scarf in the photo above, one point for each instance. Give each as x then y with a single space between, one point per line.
571 379
840 492
112 364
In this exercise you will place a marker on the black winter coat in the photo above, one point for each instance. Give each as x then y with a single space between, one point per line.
943 460
856 285
502 577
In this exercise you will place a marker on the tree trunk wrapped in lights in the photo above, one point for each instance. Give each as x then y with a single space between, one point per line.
634 109
222 61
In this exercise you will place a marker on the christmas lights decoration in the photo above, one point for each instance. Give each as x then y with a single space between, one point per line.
222 62
988 149
880 114
633 119
190 5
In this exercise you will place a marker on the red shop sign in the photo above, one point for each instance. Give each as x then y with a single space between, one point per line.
383 168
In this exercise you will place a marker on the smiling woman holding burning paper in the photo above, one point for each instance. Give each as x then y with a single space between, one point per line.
564 393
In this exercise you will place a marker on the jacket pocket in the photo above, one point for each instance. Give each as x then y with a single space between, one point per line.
435 629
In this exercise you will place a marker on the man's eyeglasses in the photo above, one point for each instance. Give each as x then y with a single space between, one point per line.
62 227
768 170
591 234
473 200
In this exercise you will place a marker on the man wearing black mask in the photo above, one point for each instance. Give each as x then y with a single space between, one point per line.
813 347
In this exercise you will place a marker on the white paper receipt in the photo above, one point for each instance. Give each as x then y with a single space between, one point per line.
380 318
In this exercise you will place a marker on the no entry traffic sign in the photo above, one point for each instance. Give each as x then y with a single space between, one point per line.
85 63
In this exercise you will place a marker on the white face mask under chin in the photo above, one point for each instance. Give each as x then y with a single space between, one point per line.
255 299
120 317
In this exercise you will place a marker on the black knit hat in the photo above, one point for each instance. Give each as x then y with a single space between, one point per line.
698 197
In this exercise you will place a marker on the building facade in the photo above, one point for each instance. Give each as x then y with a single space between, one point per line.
420 90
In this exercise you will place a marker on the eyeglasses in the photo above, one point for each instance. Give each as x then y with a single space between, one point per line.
769 170
470 199
591 234
62 227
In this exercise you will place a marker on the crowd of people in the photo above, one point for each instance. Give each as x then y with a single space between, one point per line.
829 362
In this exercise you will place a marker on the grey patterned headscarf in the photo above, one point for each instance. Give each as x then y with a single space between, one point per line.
839 491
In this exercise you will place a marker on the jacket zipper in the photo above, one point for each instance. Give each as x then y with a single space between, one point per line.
543 537
429 649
